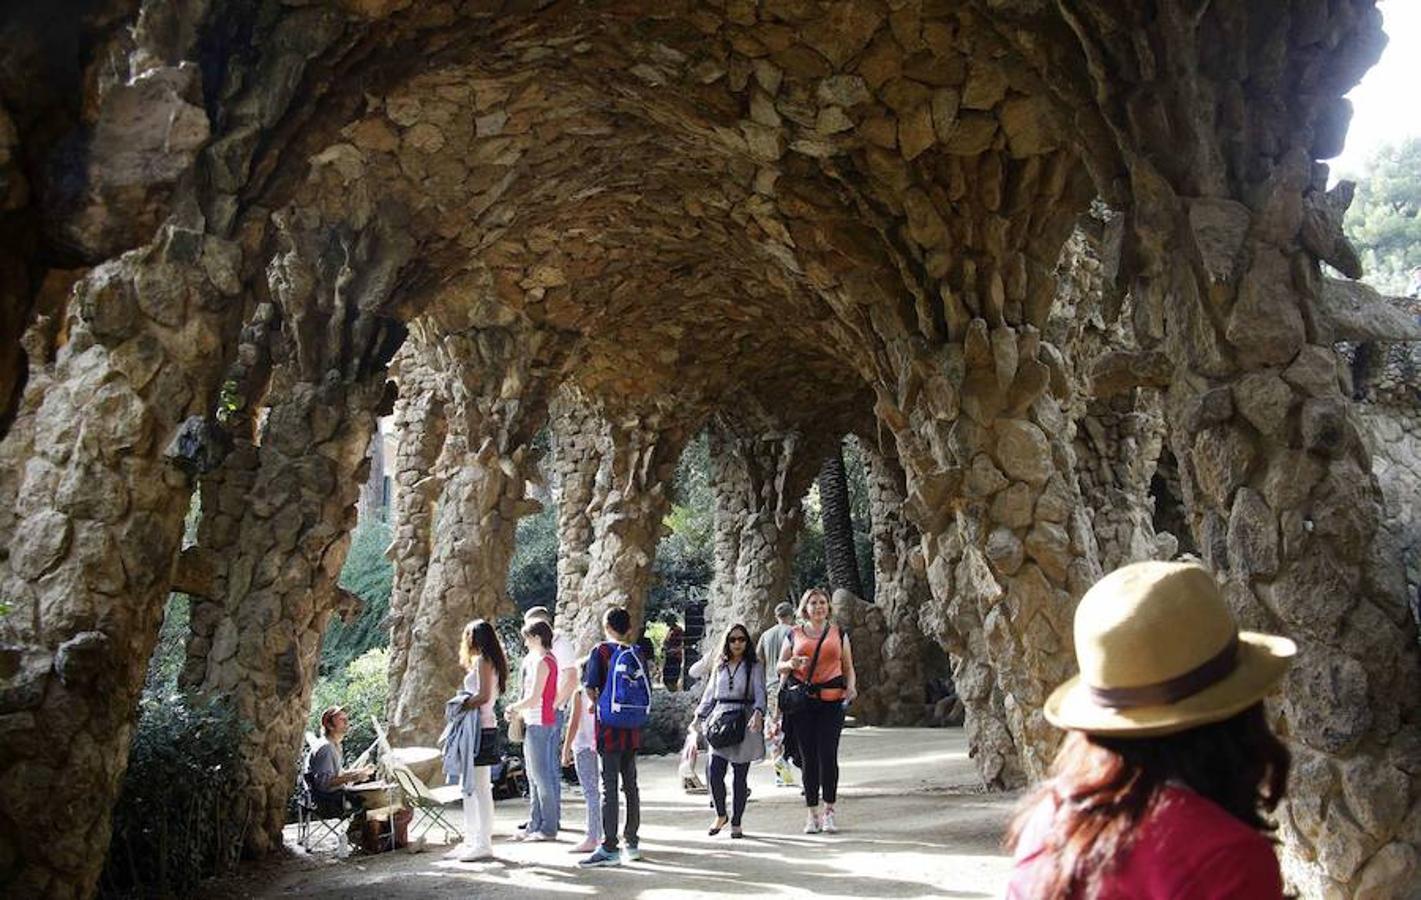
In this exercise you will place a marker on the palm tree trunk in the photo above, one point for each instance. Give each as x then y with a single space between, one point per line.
839 556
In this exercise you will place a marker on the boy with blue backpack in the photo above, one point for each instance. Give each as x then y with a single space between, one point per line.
617 681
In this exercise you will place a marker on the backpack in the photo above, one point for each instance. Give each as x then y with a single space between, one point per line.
625 701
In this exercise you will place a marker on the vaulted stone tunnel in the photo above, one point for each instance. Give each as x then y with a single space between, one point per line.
788 221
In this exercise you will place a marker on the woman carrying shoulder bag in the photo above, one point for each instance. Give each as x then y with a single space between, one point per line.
821 684
731 715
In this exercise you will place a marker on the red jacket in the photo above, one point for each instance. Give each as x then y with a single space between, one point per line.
1188 848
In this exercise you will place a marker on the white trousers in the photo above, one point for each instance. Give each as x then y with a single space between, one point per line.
478 811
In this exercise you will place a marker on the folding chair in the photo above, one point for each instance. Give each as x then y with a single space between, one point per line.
431 803
313 823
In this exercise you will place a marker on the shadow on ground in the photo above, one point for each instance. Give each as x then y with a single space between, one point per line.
914 824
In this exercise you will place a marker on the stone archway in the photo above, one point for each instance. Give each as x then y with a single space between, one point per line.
688 202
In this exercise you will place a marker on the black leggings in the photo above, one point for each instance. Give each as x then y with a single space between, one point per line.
817 730
741 787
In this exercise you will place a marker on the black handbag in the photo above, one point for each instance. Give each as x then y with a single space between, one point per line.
727 727
795 694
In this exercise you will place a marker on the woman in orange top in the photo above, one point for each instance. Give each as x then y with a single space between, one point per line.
832 687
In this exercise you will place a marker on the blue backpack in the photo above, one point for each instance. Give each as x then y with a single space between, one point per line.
625 701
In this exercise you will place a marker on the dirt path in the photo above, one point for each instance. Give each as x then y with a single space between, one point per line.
913 824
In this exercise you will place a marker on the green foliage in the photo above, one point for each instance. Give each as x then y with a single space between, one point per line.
684 556
1384 222
171 651
173 823
533 571
359 687
370 576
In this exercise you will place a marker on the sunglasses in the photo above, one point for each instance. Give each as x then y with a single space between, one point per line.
739 640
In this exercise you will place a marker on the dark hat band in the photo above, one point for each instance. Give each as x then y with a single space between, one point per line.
1161 693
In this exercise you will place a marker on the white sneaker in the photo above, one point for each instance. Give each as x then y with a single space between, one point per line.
458 851
811 824
474 854
830 827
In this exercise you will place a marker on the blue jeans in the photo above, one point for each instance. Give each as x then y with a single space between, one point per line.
540 753
587 776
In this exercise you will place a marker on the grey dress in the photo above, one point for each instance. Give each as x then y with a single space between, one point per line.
728 683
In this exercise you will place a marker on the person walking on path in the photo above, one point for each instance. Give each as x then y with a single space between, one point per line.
485 676
617 682
768 652
733 706
579 750
673 648
1168 765
539 675
818 657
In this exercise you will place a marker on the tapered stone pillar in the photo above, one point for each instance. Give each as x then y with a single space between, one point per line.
759 478
277 514
576 456
494 406
92 517
632 496
897 696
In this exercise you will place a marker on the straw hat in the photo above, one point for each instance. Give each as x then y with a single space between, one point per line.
1159 652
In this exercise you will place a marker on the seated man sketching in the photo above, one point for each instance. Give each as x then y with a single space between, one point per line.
325 772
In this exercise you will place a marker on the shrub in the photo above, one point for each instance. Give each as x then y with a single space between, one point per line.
173 823
360 687
370 576
171 652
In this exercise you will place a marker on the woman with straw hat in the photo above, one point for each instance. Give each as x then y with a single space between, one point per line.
1168 766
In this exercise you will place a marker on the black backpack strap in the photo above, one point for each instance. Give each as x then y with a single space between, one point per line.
814 661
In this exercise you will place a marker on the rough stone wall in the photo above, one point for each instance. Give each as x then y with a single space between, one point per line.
494 406
759 479
140 353
896 693
420 430
1393 437
1227 229
93 514
1112 394
825 194
576 457
277 513
631 498
1386 377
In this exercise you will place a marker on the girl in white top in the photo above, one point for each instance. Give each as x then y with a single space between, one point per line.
485 676
579 748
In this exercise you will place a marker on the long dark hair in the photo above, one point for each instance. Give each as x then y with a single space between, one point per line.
749 656
1103 787
481 642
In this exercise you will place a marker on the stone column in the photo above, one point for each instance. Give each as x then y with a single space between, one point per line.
277 513
632 498
1228 226
576 456
92 518
1112 393
896 696
494 407
760 476
992 488
420 430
